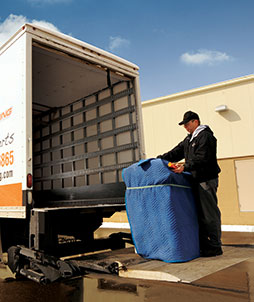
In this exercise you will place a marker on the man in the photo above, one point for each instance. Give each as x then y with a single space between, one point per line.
199 150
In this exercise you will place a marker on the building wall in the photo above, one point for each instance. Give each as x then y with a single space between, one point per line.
233 129
228 194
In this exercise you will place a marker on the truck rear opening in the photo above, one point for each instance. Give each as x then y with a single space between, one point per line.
84 128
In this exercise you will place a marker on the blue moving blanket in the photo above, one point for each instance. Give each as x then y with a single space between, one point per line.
161 212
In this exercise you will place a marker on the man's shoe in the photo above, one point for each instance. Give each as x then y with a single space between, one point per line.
211 252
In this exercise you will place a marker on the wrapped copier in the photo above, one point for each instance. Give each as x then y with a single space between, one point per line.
161 211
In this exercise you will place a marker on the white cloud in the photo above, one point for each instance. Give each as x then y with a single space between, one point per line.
10 25
117 42
45 24
205 56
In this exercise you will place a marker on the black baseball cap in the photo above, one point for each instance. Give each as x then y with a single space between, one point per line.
189 116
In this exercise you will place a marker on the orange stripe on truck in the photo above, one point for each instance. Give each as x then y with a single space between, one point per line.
11 195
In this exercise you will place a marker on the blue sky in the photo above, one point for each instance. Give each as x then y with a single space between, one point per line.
178 45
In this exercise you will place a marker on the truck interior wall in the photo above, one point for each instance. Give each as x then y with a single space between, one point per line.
84 122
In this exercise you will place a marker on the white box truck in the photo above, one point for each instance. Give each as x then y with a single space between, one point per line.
70 121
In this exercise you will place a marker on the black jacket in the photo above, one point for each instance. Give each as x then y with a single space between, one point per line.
199 154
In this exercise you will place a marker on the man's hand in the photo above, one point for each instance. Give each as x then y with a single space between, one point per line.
179 168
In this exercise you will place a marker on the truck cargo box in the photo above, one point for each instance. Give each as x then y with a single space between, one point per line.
70 118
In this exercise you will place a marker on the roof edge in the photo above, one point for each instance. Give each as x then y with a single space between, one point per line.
199 89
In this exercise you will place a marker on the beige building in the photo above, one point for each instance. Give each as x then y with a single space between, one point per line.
228 108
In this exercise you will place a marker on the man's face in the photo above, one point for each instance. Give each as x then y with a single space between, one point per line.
191 126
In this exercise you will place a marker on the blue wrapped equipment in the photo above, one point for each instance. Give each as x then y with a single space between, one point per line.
161 212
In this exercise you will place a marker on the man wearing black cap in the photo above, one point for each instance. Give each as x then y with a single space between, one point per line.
199 150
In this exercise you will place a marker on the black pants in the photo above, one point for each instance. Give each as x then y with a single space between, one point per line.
209 215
